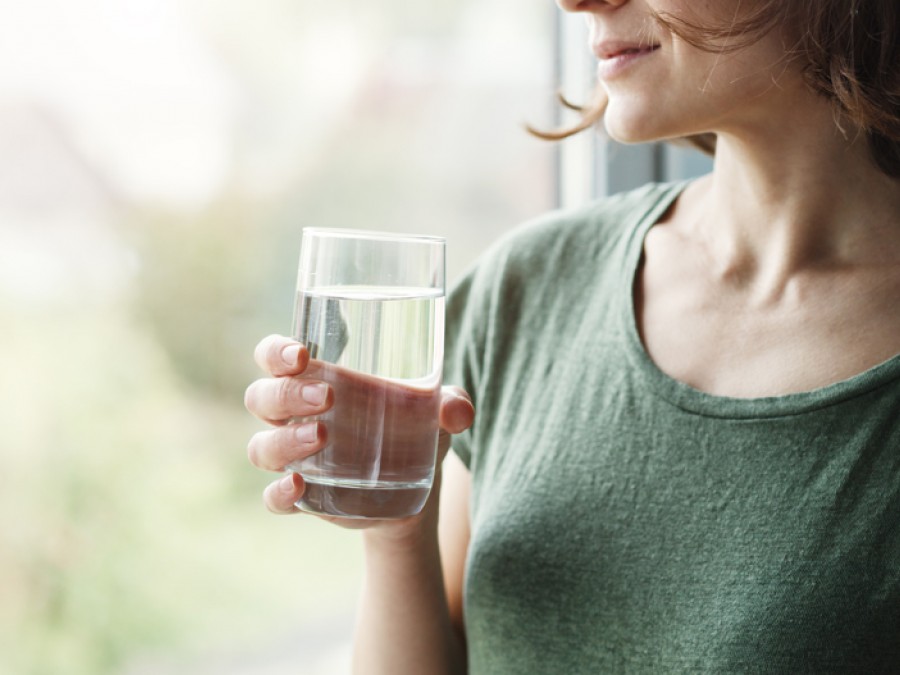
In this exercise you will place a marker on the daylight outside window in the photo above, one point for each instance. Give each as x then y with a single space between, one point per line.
158 162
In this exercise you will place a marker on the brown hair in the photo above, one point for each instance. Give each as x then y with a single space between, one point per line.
849 51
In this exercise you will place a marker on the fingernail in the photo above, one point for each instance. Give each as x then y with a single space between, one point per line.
290 353
286 484
307 433
314 394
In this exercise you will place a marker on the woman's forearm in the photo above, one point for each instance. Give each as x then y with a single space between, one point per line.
404 624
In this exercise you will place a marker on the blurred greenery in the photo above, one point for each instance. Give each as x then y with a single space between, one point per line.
133 536
140 521
207 284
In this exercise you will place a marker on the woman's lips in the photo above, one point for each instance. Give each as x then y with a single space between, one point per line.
615 57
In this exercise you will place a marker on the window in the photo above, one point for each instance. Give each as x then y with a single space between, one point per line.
160 158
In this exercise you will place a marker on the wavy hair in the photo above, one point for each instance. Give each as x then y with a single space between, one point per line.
848 50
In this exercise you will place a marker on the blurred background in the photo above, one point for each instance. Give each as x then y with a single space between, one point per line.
158 159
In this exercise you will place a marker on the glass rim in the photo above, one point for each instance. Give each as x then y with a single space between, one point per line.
350 233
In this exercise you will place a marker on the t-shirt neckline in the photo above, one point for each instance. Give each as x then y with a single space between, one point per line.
699 402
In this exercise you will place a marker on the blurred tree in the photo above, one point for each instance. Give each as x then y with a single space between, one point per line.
209 284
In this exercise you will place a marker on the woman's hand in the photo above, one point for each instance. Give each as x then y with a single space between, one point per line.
288 394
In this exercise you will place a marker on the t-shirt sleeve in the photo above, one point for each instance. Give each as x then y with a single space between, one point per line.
515 297
486 348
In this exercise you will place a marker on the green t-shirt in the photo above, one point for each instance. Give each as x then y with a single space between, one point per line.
623 522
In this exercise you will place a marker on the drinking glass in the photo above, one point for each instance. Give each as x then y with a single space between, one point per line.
370 310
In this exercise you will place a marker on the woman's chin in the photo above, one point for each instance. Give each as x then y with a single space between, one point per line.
637 119
630 128
627 135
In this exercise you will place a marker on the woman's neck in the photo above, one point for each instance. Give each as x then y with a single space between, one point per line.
803 199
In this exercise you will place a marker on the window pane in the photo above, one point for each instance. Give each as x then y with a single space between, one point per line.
160 158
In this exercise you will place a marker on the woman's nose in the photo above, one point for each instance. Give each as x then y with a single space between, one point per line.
588 5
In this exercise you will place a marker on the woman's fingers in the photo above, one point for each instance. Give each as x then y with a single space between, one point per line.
279 398
276 400
274 449
281 495
457 412
278 355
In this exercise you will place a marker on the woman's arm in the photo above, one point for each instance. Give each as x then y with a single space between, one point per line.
453 536
410 618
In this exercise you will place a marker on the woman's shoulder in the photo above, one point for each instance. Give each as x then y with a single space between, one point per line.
534 263
585 231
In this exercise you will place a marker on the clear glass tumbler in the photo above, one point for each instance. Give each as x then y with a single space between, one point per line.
370 309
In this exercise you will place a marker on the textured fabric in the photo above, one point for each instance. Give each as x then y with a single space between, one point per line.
623 522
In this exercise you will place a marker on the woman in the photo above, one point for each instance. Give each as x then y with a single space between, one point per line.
687 450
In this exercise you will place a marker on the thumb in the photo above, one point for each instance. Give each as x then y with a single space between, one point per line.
457 411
